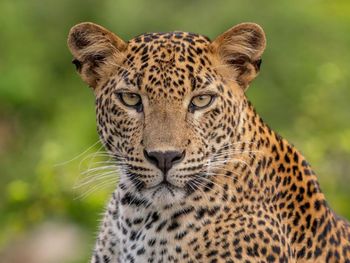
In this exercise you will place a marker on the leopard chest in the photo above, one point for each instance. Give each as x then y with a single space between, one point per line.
148 235
202 234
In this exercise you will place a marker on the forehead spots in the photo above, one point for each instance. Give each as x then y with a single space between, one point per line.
171 63
165 48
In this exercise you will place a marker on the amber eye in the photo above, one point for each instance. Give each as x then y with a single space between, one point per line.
131 100
201 101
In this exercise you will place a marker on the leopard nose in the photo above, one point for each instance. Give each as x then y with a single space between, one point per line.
164 160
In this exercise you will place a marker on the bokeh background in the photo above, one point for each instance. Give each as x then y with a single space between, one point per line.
47 129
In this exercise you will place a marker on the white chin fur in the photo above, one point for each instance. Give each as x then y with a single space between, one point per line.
164 196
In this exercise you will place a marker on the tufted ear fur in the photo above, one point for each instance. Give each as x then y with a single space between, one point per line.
241 48
95 51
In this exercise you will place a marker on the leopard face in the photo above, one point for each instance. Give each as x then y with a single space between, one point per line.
170 106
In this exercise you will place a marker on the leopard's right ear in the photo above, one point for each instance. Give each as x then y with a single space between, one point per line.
96 51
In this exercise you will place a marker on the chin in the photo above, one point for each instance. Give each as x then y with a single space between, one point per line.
165 194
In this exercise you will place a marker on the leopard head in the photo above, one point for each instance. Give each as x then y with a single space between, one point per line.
168 104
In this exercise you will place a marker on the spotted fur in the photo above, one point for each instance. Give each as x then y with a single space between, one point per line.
241 193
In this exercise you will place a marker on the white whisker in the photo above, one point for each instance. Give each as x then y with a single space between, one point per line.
79 155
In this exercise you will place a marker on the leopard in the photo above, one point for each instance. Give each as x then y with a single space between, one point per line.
202 178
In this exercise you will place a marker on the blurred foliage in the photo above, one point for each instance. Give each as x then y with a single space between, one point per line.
47 113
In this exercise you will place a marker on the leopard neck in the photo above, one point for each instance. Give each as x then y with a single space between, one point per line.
277 163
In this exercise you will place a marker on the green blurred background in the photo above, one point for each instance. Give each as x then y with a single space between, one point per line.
47 113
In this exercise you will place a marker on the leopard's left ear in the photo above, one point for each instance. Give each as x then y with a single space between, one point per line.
241 48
